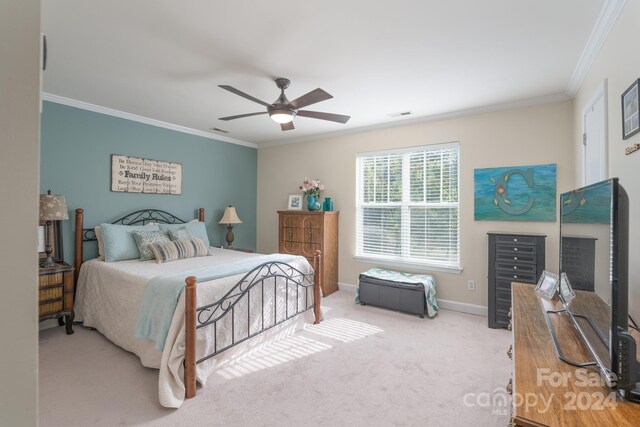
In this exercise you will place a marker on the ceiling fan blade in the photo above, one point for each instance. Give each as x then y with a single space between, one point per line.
287 126
324 116
244 95
239 116
312 97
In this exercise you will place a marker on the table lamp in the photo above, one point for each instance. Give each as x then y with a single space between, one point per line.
230 217
53 207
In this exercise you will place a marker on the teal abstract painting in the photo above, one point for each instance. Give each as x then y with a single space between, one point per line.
519 193
592 205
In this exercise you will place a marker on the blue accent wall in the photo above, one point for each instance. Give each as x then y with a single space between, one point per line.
76 149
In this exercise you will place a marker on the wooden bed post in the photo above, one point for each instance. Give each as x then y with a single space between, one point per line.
201 214
190 338
317 268
78 242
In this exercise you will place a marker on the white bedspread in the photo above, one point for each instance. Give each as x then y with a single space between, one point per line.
108 297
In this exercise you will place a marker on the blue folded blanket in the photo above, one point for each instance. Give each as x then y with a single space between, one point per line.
162 293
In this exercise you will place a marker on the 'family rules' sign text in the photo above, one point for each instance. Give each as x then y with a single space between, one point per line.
136 175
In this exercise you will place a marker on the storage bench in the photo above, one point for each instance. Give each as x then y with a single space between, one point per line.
408 293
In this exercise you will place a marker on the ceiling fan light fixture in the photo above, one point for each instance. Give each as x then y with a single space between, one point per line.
282 115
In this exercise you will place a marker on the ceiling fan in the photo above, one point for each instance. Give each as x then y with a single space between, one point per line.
283 111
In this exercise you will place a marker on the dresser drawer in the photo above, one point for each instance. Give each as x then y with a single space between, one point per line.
512 276
520 257
50 308
310 221
51 279
300 235
291 221
519 240
503 294
515 249
290 234
516 267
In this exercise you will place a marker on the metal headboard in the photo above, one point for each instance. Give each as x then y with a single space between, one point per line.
142 217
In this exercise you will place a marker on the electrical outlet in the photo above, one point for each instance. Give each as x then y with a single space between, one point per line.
471 285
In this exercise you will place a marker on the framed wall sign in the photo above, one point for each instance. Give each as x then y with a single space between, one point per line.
630 113
138 175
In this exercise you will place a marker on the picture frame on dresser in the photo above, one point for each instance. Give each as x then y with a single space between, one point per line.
55 239
295 202
547 285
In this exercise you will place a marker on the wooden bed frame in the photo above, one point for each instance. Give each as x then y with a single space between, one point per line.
225 304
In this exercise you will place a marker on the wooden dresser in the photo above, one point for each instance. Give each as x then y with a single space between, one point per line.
56 294
547 391
302 233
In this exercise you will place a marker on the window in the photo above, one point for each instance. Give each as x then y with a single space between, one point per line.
407 206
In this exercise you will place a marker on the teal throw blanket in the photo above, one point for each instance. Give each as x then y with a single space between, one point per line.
162 293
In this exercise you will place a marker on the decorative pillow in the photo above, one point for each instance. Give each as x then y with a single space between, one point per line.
119 243
179 249
180 234
144 239
196 228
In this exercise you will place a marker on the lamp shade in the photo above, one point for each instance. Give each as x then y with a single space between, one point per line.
230 216
53 207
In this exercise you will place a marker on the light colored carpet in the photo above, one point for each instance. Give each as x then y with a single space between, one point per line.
363 366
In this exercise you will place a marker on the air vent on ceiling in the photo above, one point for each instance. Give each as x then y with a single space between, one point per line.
401 114
219 130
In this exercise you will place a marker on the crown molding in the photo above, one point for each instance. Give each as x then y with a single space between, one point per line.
528 102
146 120
607 18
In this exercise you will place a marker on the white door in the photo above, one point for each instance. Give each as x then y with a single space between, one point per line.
594 125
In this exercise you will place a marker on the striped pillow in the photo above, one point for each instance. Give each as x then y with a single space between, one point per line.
179 249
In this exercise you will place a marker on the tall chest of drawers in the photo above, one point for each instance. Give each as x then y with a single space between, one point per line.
302 233
513 257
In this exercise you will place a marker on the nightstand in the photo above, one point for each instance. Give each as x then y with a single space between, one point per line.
56 294
249 251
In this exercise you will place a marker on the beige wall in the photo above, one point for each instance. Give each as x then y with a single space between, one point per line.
617 63
19 172
525 136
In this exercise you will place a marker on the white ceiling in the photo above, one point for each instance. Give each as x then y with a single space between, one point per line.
163 59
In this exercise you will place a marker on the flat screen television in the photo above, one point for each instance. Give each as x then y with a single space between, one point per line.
594 257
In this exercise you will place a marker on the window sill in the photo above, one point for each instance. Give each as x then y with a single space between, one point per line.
412 265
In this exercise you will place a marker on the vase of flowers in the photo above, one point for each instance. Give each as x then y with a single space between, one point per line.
311 189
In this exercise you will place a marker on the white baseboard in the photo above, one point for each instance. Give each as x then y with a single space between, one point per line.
347 287
444 304
48 324
463 307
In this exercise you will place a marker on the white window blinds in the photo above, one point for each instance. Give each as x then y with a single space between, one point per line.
407 205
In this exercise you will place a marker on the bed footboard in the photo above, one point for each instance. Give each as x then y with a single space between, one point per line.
209 315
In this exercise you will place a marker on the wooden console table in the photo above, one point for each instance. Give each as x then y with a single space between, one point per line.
547 391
